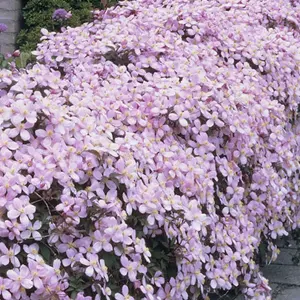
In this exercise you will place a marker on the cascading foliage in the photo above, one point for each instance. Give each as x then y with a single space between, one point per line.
146 155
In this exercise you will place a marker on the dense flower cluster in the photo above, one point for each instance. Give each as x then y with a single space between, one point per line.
61 14
149 153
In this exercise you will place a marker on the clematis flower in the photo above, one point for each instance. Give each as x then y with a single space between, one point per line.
153 126
20 208
32 230
9 255
92 263
125 294
140 247
180 115
37 272
129 267
5 284
20 278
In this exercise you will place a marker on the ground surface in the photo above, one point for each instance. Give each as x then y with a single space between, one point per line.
283 275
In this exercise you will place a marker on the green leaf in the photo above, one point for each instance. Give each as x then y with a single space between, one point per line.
74 294
4 64
110 260
45 252
166 244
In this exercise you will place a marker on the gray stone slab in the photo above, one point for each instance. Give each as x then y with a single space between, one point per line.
10 4
12 22
285 256
274 286
292 244
7 48
282 274
10 14
7 38
288 293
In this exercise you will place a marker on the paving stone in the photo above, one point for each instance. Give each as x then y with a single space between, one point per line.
10 4
7 38
285 274
10 14
12 21
288 293
289 243
274 287
285 257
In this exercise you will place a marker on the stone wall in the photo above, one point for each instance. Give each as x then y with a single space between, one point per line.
10 14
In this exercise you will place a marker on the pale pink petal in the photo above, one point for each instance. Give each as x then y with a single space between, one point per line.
183 122
84 261
38 283
123 271
119 296
12 275
125 290
4 260
6 295
213 284
27 283
89 271
13 214
173 116
25 135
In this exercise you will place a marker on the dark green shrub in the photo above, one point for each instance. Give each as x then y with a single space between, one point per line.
37 14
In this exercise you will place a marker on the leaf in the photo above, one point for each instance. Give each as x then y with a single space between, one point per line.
140 234
110 260
172 271
45 252
158 254
73 284
114 287
85 286
4 64
74 294
22 60
166 244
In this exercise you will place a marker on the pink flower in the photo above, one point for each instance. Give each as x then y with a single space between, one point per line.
5 285
102 242
125 294
129 267
37 272
31 250
180 115
140 247
9 255
20 278
20 208
32 230
92 263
